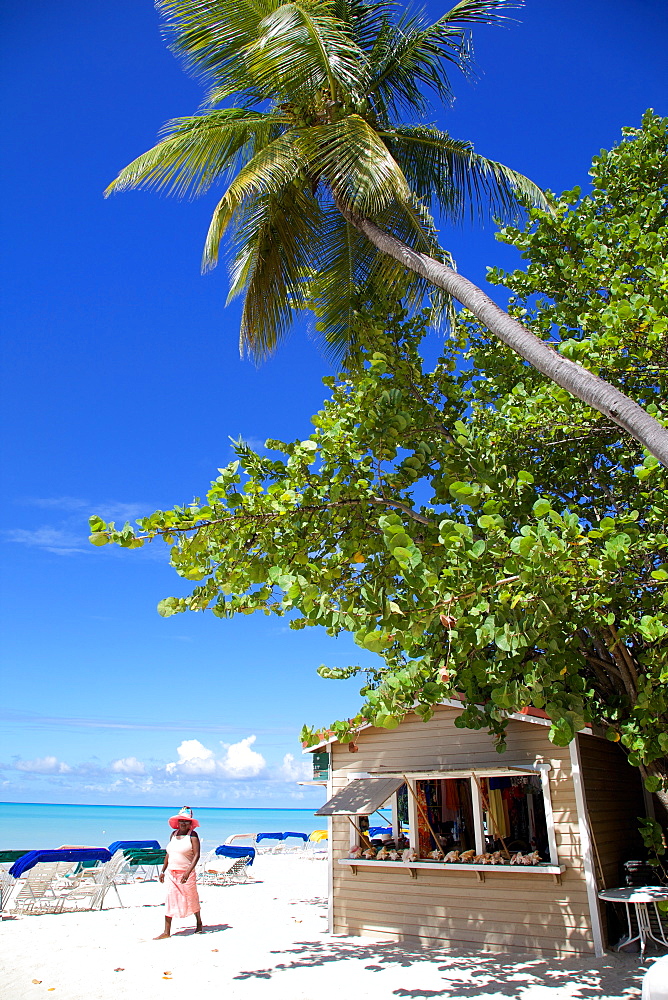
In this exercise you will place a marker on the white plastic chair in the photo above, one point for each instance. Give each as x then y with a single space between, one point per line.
237 872
38 890
7 886
94 883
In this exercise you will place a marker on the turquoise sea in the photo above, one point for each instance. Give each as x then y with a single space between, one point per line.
35 826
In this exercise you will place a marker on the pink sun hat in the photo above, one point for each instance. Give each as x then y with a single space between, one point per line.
185 813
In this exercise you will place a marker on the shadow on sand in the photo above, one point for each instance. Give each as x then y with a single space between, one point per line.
208 929
463 975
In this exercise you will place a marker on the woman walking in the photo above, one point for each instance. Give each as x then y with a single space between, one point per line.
182 855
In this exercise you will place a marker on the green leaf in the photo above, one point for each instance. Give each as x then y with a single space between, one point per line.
375 641
98 538
652 783
561 732
387 721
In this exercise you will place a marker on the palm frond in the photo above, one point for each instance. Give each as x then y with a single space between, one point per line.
343 258
197 151
411 55
412 223
364 20
210 35
356 164
352 274
300 51
449 171
272 170
273 248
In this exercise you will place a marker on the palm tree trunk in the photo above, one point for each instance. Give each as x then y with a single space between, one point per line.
580 382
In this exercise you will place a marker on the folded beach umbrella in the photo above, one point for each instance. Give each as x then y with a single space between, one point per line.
6 856
146 857
134 845
233 851
33 858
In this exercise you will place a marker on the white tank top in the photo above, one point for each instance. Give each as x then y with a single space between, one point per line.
180 853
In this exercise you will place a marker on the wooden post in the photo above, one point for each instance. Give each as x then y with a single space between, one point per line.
485 805
424 815
362 835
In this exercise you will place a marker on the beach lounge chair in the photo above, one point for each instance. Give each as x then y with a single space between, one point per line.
7 886
270 848
93 885
295 843
38 889
226 865
237 872
252 837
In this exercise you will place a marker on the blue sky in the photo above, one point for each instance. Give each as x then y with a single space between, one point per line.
122 381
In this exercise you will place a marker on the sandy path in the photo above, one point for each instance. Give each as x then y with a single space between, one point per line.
268 940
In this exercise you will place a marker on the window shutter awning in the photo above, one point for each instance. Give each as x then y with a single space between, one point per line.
361 797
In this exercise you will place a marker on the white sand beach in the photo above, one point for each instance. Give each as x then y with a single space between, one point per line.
268 940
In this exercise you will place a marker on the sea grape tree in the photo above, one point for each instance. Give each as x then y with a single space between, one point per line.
485 533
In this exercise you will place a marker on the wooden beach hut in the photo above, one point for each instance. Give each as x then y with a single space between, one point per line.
575 809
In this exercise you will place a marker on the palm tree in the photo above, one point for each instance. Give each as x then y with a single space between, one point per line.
329 191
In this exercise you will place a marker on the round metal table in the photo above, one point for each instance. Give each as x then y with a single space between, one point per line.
640 898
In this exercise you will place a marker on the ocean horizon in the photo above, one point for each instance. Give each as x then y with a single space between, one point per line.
40 825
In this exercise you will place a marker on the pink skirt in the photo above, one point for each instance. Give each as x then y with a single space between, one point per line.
182 898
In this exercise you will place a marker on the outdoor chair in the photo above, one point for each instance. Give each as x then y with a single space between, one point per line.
38 889
236 873
94 883
270 848
7 886
291 848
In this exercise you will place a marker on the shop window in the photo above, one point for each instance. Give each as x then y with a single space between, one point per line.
387 827
514 812
445 815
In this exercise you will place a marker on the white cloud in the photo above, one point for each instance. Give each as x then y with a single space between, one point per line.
240 761
194 758
118 509
295 770
43 765
56 540
128 765
58 503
